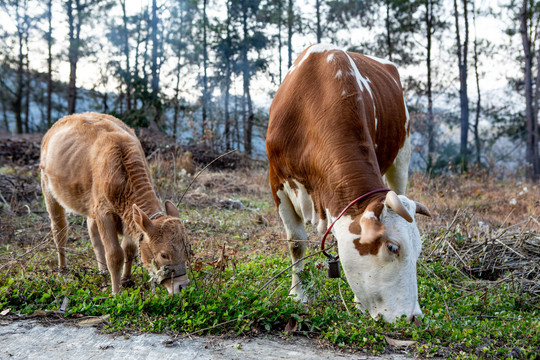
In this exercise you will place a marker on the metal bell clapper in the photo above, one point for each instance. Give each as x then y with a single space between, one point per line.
333 269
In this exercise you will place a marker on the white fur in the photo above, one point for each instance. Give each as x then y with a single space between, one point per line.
382 61
330 58
317 48
397 175
362 81
385 283
338 74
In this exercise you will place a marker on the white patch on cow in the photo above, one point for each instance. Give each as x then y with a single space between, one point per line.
317 48
406 114
330 58
384 283
302 202
338 74
362 81
343 93
382 61
398 173
369 215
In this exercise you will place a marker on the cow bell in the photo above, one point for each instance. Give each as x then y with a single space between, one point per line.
333 269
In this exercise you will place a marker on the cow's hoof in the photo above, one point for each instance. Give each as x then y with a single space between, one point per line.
128 282
299 296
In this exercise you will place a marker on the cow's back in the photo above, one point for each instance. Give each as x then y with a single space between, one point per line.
336 117
82 156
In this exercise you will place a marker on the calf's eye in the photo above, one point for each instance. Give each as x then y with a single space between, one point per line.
164 256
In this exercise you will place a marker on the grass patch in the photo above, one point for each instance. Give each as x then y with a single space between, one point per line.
460 321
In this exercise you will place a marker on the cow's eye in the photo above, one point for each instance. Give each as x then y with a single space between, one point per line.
393 248
164 256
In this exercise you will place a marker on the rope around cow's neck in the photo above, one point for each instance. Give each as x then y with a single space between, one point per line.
331 257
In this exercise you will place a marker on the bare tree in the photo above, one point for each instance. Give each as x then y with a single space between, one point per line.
531 155
462 52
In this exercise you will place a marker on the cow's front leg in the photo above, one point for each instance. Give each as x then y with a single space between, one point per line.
113 250
130 251
99 250
296 234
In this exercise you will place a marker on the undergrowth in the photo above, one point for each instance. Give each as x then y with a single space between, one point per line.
460 321
237 251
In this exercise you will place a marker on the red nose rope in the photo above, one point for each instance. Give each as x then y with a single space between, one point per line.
330 257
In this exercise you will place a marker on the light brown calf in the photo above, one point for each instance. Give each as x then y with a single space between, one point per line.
93 165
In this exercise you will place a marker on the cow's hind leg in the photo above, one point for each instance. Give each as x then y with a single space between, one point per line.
397 175
99 250
296 234
59 225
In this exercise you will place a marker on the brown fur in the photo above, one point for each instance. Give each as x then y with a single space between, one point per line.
94 165
327 141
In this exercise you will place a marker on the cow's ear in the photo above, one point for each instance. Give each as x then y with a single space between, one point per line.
171 209
142 220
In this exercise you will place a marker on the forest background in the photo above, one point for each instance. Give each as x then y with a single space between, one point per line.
205 71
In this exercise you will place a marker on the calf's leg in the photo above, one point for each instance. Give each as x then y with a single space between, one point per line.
130 251
114 253
59 224
99 250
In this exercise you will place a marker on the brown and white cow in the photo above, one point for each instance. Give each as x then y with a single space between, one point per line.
94 165
338 123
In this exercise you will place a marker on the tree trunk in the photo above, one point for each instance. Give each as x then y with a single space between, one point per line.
280 45
477 143
74 23
126 54
227 129
17 101
205 72
431 120
49 64
28 79
531 154
248 118
318 16
463 97
290 18
388 31
154 124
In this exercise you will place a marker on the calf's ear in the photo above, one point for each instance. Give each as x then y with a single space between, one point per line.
171 209
142 220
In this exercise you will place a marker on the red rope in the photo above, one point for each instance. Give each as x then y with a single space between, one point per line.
340 215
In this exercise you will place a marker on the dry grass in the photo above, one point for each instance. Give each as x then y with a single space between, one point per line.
488 230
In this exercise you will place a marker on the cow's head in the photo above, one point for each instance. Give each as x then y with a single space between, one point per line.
380 264
164 247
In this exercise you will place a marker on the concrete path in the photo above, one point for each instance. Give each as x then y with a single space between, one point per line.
29 340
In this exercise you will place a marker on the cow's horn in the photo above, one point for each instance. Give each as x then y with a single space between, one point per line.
395 204
422 209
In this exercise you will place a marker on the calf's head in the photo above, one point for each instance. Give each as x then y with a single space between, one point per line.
380 264
165 247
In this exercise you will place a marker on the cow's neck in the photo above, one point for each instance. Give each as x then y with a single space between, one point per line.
139 190
353 179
